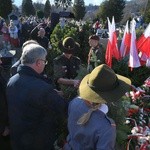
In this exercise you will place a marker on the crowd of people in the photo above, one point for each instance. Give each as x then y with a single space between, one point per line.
26 28
32 105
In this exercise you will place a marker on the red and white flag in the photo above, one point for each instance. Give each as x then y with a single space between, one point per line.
143 43
114 41
112 48
143 58
108 55
134 61
109 24
125 43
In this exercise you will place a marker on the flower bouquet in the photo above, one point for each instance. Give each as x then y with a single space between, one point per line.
138 117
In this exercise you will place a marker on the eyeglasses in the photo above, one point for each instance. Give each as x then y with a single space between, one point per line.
45 61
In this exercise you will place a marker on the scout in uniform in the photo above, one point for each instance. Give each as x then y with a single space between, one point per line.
67 65
89 126
96 54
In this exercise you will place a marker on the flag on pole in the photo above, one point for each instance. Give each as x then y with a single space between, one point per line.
134 61
125 43
109 24
143 43
108 55
114 41
112 48
143 58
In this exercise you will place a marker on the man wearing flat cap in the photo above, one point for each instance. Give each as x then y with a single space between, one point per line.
96 54
67 65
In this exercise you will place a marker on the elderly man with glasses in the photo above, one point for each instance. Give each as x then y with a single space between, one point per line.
33 104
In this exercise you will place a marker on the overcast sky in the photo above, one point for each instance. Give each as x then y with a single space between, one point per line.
87 2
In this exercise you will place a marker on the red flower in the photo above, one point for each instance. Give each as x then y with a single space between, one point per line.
131 112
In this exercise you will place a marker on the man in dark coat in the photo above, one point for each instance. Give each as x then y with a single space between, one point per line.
32 103
38 34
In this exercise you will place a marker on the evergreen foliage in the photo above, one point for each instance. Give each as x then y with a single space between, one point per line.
28 8
79 9
38 6
40 14
47 9
147 12
111 8
137 75
71 30
5 8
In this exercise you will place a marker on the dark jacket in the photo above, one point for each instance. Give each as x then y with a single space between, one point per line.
43 41
13 69
32 108
3 105
66 68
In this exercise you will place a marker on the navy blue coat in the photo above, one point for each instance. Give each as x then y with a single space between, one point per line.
3 105
32 108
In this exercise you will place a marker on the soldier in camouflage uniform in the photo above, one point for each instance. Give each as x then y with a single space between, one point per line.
96 54
67 65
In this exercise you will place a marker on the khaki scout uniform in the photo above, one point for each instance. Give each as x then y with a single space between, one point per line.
96 57
66 68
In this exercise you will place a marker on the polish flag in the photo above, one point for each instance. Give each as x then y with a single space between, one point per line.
125 43
143 58
109 25
114 41
112 48
108 55
143 43
134 61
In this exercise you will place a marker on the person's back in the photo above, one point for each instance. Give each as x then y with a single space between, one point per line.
33 106
88 124
98 133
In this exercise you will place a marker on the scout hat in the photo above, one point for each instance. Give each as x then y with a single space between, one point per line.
102 85
68 45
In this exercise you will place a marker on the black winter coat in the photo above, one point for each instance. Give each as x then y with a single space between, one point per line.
3 105
32 108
